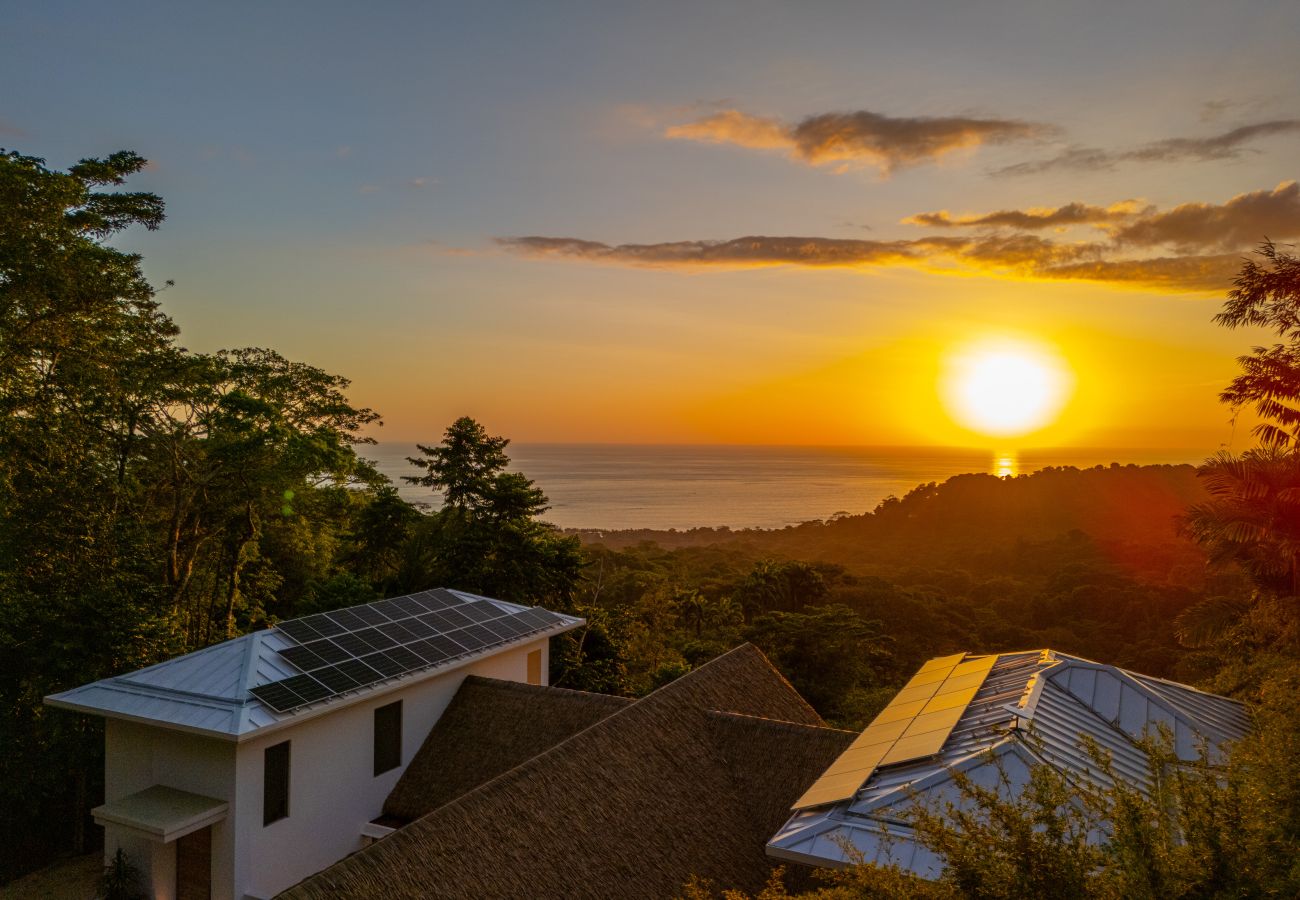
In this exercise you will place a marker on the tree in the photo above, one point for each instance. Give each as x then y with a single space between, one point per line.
785 585
487 537
81 339
827 652
1268 296
1253 519
1254 516
152 500
468 467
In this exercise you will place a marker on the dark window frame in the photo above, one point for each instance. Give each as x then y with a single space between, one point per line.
276 769
388 737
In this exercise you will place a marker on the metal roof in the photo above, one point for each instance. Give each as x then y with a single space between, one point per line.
207 691
1034 707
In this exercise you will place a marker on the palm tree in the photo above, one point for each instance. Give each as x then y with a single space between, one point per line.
1253 518
1268 296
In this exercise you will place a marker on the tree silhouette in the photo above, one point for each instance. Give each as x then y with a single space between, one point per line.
1254 516
1268 296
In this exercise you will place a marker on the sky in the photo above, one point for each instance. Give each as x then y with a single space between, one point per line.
697 222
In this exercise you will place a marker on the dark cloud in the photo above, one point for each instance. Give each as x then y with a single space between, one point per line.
1033 219
1243 221
1007 252
1174 273
1228 145
1200 236
858 138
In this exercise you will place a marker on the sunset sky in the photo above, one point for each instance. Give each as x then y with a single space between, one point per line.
695 222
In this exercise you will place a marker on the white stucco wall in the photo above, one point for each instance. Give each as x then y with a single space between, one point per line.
139 756
333 791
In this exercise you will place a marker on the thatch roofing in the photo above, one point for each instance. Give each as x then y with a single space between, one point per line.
490 727
692 779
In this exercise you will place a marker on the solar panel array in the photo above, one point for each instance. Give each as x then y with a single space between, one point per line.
349 649
914 725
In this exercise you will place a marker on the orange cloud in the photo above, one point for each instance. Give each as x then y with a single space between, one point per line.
1033 219
1244 220
1227 145
1013 254
862 137
1200 235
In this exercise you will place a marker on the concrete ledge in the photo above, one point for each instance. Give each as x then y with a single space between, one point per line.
162 813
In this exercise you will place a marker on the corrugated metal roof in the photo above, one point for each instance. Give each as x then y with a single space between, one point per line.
207 691
1033 707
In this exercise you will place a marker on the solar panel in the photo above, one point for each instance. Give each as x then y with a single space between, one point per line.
390 608
328 651
348 649
481 634
377 638
914 725
334 679
534 617
480 612
324 625
428 651
502 629
410 606
299 630
419 629
355 643
347 618
398 632
362 673
439 621
455 618
306 687
384 664
467 640
440 600
446 645
277 696
408 658
369 615
303 658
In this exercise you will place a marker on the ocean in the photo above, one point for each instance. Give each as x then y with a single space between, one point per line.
617 486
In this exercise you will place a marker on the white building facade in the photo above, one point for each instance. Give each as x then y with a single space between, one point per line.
212 791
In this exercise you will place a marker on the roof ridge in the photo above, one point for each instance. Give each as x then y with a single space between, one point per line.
615 717
627 708
767 722
520 687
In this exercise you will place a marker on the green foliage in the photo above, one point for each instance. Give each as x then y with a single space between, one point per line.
826 652
1199 831
487 538
1253 518
979 588
780 585
1268 296
121 880
152 500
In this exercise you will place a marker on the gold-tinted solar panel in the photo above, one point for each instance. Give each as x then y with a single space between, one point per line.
914 725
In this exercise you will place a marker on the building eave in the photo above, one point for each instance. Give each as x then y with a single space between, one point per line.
245 733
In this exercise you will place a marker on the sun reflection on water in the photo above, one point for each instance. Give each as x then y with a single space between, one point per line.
1006 464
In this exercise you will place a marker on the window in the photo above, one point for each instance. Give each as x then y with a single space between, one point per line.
275 783
388 737
535 667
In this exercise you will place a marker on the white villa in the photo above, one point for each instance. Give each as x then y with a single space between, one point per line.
411 748
241 769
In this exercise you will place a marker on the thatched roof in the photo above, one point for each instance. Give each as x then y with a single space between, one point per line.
630 806
490 727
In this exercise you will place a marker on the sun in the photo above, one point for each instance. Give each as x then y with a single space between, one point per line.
1005 387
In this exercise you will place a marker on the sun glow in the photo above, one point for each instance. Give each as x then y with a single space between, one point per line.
1005 387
